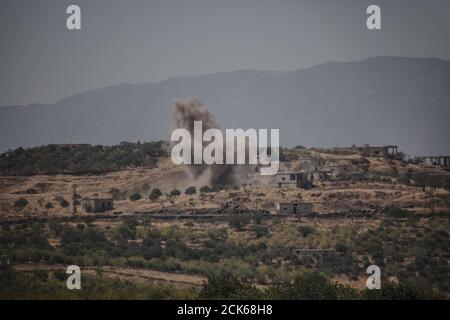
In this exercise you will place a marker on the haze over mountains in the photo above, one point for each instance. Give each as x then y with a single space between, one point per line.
382 100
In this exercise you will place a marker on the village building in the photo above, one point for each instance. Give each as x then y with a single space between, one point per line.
341 168
97 205
443 161
288 179
293 179
316 175
300 179
370 151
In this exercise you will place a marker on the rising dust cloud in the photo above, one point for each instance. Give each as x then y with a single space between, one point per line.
184 113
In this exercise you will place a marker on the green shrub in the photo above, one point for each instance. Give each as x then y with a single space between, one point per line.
80 226
55 226
261 231
41 275
117 194
238 221
20 203
219 287
60 275
135 196
155 194
395 212
206 189
305 231
191 190
175 192
341 247
62 202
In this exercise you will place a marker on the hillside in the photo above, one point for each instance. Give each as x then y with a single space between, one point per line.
80 158
178 239
383 100
384 182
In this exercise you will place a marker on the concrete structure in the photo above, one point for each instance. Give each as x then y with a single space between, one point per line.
301 179
289 179
443 161
296 179
294 207
369 151
97 205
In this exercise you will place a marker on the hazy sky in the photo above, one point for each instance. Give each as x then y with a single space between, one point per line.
147 41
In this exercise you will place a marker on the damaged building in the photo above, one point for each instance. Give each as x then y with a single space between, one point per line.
316 175
300 179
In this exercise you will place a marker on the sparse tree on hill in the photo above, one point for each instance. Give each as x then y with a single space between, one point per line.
191 190
156 193
20 203
135 196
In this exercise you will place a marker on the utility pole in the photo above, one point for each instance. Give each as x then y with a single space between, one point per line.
432 199
74 199
430 194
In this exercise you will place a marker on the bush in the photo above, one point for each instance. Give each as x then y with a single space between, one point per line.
217 234
155 194
341 247
400 291
41 275
206 189
191 190
305 230
117 194
238 221
135 196
80 226
20 203
60 275
258 217
395 212
62 202
261 231
127 230
55 226
48 205
175 192
219 287
311 286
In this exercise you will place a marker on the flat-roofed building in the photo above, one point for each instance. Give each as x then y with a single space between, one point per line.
443 161
97 204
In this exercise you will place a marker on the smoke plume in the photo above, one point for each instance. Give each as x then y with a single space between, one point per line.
184 113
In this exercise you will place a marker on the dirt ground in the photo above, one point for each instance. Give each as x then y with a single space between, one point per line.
131 274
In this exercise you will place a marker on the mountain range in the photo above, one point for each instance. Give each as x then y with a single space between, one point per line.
380 101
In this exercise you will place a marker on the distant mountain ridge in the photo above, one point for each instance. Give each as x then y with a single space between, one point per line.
381 100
